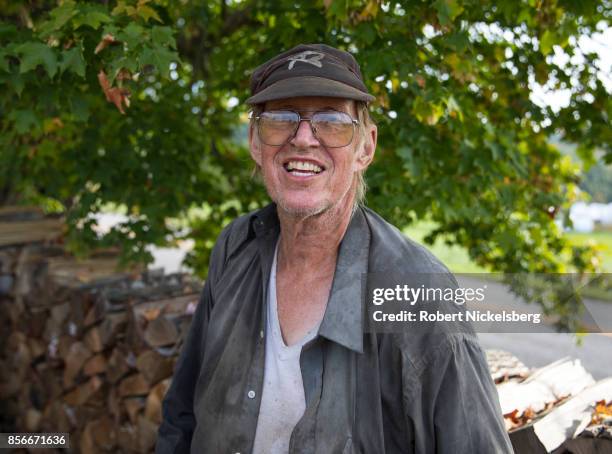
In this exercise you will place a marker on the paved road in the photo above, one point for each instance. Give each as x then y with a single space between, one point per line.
597 314
542 348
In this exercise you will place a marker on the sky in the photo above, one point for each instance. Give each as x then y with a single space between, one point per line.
600 43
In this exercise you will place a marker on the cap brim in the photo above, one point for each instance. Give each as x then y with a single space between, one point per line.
308 86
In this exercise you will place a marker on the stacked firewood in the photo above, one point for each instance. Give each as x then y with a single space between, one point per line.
504 366
86 349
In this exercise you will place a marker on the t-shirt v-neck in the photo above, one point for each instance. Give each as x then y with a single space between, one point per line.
282 401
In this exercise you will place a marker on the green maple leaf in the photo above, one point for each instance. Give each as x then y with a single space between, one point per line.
73 60
59 17
158 57
92 19
25 120
132 35
146 12
34 54
162 36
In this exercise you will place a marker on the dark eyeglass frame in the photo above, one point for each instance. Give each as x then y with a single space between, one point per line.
312 128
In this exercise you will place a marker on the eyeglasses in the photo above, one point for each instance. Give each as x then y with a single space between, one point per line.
332 128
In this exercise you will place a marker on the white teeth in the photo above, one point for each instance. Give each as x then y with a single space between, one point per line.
301 165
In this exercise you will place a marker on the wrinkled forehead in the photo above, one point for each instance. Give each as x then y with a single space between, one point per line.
312 103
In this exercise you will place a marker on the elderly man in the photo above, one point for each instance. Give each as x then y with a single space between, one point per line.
278 359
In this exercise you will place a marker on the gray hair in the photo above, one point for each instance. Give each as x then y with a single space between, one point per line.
363 116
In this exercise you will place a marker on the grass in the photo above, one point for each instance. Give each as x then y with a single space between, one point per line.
455 258
458 260
602 240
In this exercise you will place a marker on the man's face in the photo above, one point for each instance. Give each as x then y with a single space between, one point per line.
287 170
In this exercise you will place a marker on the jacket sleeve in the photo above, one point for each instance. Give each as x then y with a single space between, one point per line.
454 406
178 421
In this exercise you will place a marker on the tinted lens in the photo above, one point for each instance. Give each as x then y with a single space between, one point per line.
276 127
334 129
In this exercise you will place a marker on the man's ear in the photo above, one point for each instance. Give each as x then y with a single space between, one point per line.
254 144
367 150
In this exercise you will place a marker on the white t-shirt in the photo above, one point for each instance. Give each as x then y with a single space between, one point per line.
282 401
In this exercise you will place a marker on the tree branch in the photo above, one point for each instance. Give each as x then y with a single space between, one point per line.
205 38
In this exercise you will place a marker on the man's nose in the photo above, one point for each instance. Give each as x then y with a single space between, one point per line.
304 137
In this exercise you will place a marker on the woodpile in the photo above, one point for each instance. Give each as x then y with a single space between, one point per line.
86 349
504 366
552 406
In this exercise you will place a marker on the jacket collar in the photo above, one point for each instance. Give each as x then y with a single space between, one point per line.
343 319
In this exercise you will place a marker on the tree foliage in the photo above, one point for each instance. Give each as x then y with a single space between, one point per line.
597 183
461 142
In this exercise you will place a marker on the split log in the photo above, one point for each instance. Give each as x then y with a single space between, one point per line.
98 436
60 347
147 434
161 332
114 405
60 313
57 417
127 438
134 333
51 380
20 213
37 347
133 407
84 392
133 385
153 406
154 367
118 366
31 231
176 305
31 274
112 328
75 358
32 420
93 339
95 365
69 272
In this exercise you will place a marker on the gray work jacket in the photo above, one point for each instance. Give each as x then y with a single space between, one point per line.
413 392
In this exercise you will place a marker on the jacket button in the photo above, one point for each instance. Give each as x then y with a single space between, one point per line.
261 334
251 394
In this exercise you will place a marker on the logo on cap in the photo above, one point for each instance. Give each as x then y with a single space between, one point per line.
308 56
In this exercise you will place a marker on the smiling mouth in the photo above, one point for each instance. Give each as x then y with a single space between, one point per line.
302 168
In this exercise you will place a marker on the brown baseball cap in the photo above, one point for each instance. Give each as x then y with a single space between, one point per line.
309 70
